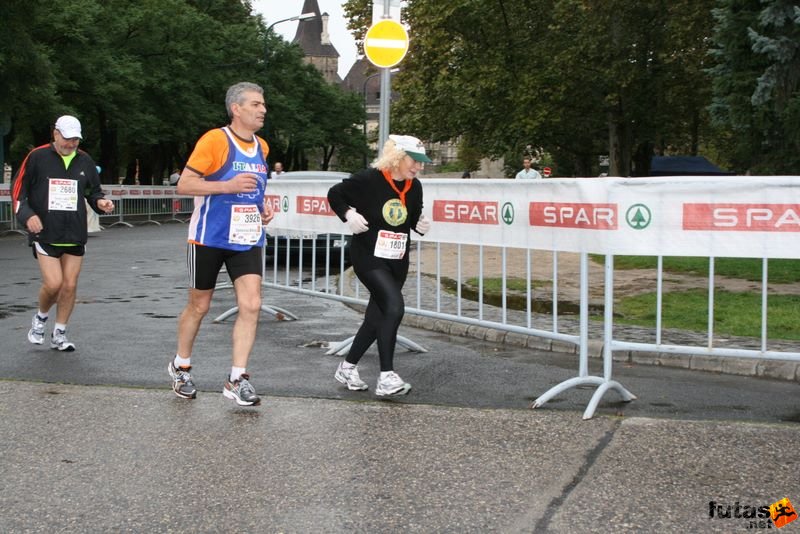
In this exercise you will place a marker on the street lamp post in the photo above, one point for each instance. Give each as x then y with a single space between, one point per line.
304 16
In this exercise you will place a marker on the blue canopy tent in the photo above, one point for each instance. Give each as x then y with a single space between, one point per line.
685 166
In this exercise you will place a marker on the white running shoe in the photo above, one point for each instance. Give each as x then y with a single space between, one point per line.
350 378
392 384
60 342
36 333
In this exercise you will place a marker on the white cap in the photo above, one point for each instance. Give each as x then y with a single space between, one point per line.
412 146
69 127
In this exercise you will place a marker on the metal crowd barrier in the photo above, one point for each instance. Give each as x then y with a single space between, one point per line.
146 205
8 222
440 270
133 205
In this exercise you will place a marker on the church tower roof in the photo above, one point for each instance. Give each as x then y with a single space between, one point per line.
312 34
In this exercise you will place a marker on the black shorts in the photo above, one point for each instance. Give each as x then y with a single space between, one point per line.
205 263
54 251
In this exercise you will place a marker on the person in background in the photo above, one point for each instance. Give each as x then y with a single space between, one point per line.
227 175
527 173
92 219
48 195
381 205
174 177
277 169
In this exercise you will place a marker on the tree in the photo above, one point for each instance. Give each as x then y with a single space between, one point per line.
148 78
312 119
579 78
755 93
27 82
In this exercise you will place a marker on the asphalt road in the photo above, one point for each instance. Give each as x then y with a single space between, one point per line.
95 441
133 287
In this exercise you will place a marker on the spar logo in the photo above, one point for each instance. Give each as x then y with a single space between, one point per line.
274 202
587 216
314 206
775 515
508 213
638 216
742 217
466 211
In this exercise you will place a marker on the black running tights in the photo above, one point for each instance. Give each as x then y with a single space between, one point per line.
382 318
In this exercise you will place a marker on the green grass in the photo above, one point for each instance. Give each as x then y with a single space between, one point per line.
735 314
781 271
495 285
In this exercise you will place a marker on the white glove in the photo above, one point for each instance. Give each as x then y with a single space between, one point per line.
356 221
423 225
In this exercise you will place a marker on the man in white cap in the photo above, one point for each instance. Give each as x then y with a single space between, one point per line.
48 195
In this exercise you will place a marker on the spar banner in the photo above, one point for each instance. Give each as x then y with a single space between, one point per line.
741 216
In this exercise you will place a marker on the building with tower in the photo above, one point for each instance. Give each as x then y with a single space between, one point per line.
314 40
363 78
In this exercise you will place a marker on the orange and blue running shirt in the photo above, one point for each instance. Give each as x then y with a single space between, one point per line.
229 221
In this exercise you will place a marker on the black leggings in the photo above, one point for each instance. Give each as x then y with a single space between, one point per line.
382 319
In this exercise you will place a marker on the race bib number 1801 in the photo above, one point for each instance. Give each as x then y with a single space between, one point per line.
390 245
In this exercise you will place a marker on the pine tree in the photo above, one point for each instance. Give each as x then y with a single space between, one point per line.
756 76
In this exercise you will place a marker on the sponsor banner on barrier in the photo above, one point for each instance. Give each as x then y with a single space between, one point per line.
135 191
672 216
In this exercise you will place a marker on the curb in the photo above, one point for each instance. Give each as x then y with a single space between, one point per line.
776 369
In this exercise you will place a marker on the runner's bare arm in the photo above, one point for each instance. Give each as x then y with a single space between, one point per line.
192 183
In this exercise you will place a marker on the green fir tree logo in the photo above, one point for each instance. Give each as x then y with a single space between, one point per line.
638 217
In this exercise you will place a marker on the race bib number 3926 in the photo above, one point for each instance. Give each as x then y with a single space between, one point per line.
245 226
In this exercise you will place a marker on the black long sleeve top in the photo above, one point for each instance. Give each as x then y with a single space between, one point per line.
371 195
32 188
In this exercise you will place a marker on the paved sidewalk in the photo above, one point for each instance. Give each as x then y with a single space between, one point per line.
95 441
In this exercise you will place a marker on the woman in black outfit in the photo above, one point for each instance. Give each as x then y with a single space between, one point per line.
381 205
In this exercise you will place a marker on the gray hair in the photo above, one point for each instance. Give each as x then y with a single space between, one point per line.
235 94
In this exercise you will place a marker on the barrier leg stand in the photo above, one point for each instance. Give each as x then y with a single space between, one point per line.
564 386
280 314
176 207
605 382
410 345
13 229
608 360
120 208
343 347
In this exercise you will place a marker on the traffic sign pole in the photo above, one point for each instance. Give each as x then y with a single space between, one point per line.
386 94
385 45
383 113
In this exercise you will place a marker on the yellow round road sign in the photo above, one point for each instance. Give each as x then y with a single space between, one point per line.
386 43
